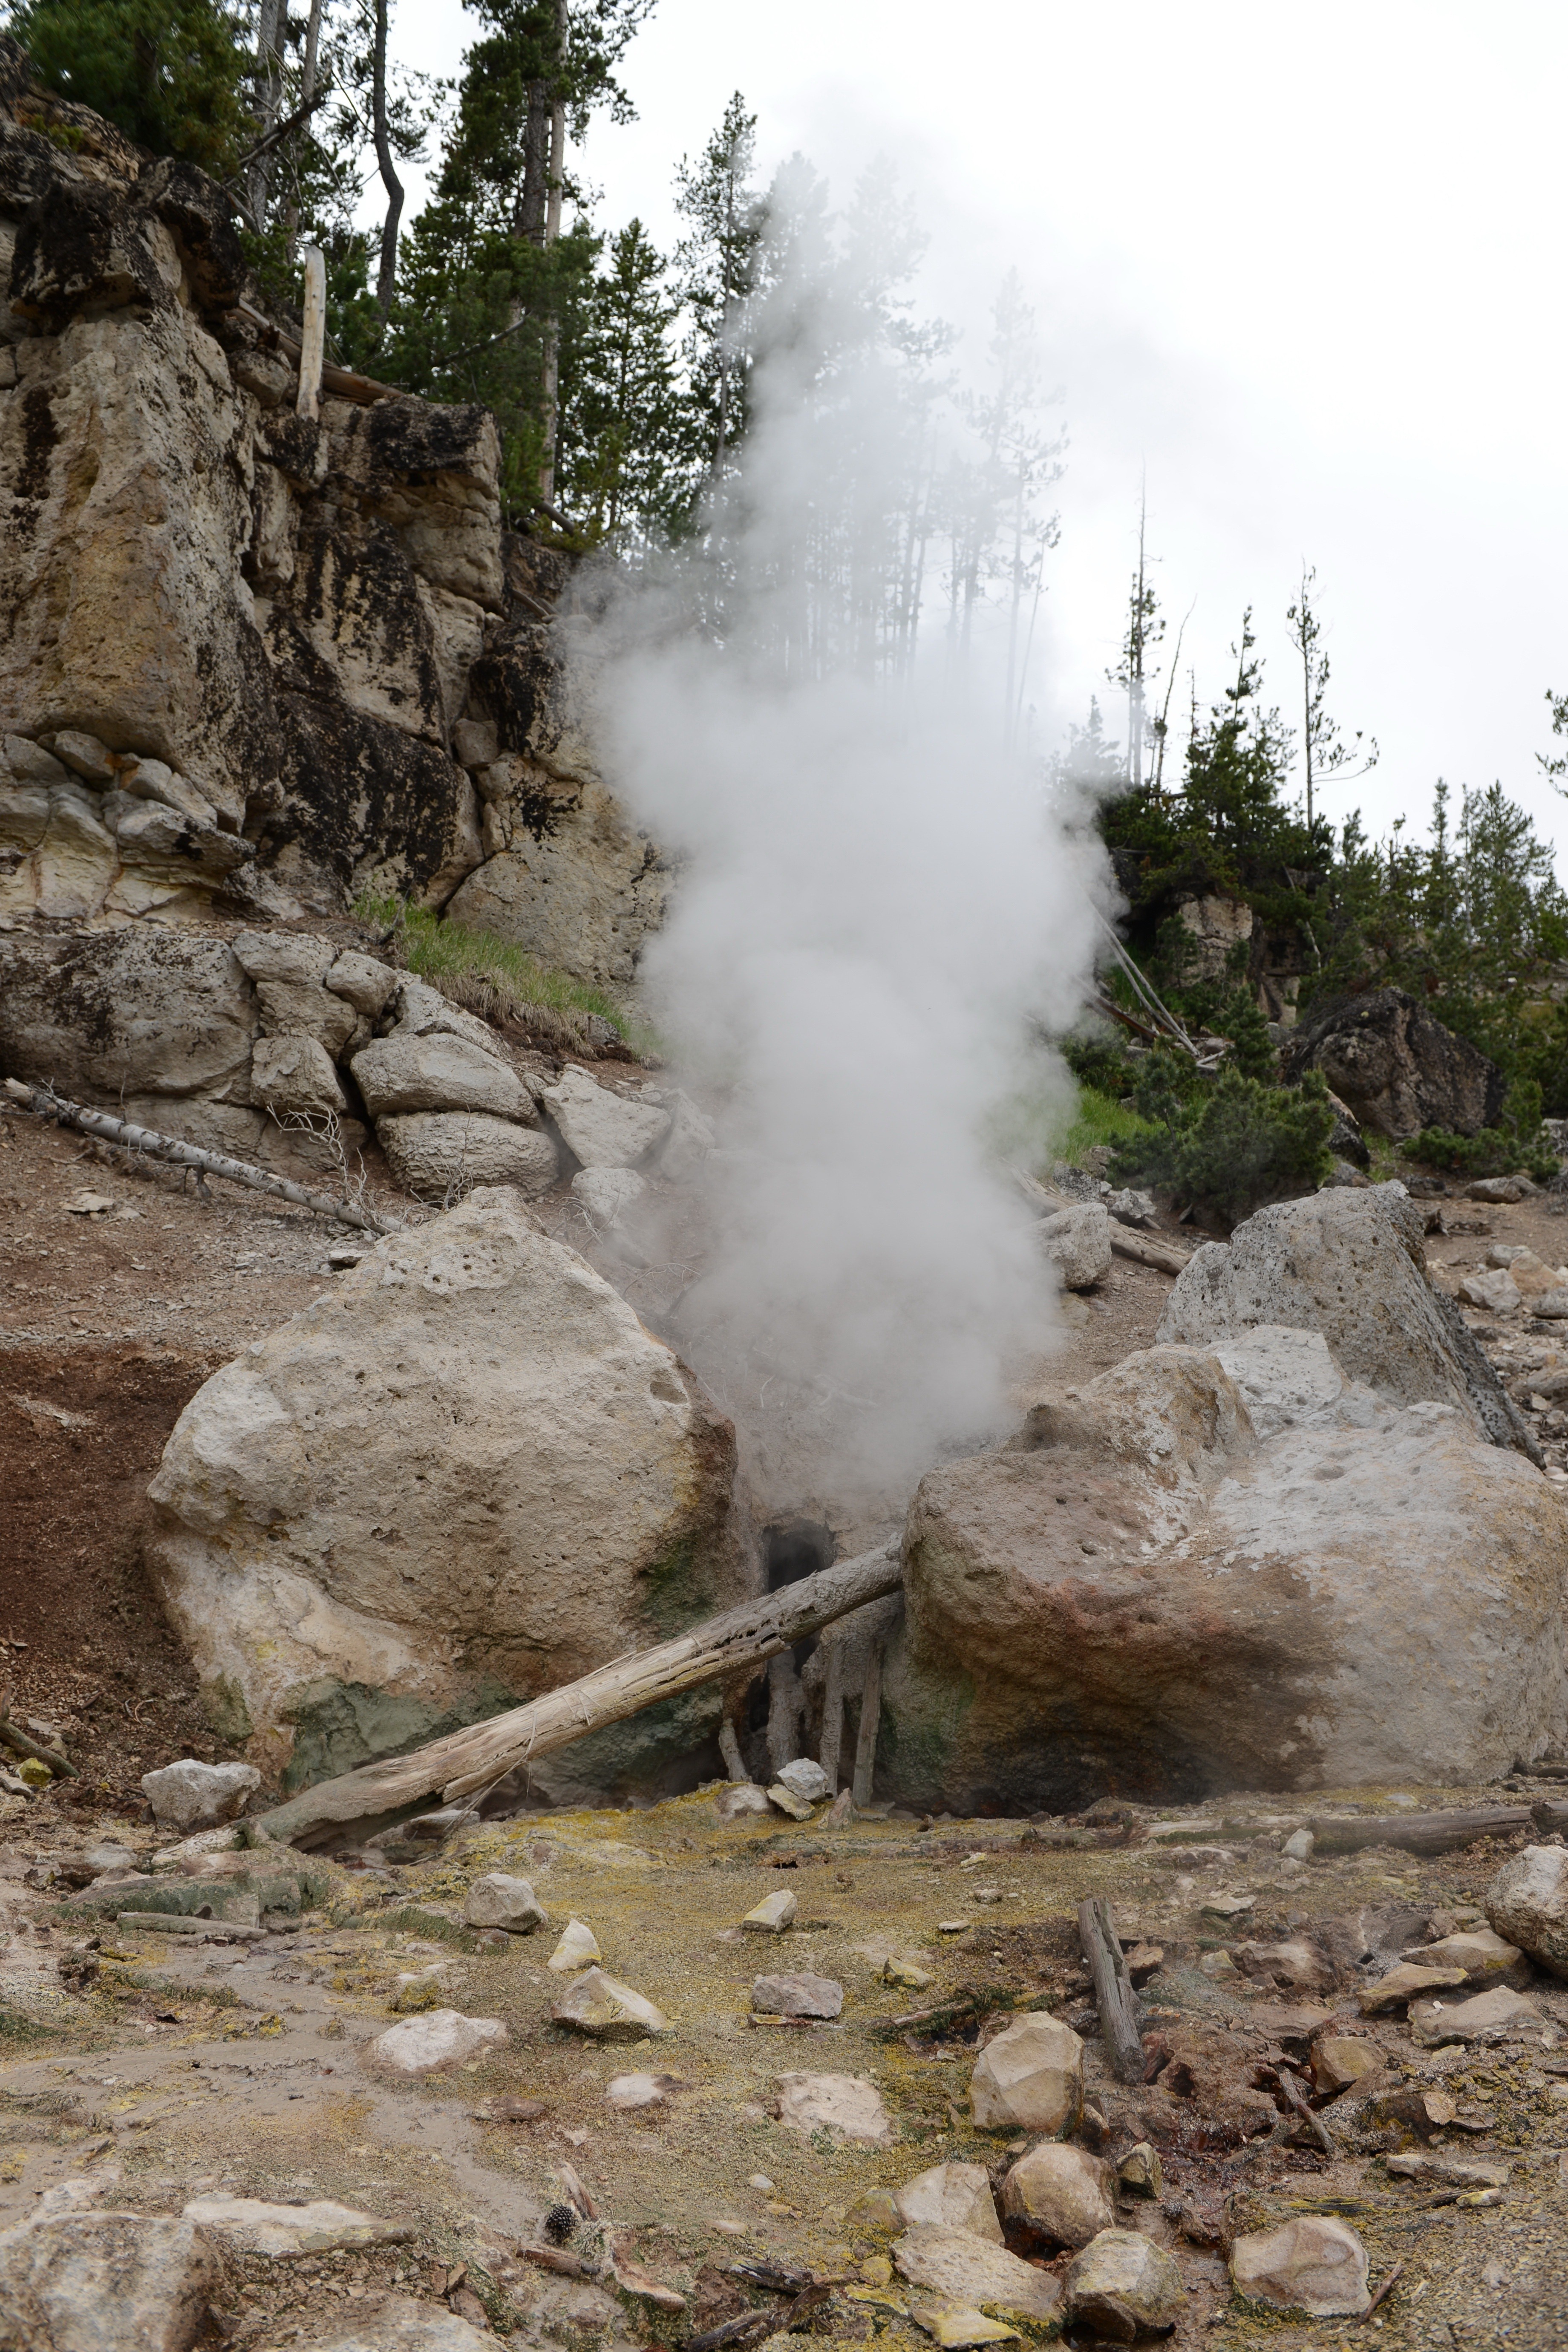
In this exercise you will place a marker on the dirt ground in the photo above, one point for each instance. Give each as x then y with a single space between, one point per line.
186 2070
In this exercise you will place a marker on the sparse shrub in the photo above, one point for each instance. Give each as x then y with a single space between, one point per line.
1235 1144
1516 1142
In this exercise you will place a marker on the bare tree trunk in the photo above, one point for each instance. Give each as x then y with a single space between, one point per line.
386 277
269 96
552 373
866 1744
832 1741
786 1700
721 1649
730 1749
307 95
312 334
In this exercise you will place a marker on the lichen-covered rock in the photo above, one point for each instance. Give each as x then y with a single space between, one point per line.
597 2005
468 1472
1398 1069
965 2269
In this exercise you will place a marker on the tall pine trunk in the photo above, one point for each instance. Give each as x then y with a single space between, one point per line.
386 278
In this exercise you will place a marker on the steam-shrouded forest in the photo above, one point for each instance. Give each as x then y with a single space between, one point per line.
626 382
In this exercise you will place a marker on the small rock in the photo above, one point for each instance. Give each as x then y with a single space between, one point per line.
1527 1901
1479 1952
1453 2172
343 1256
797 1995
740 1798
904 1973
499 1900
1217 1965
874 2213
952 2197
772 1915
1078 1241
963 2269
1431 2023
152 779
1122 2287
1497 1292
93 2282
795 1808
578 1948
87 1205
1060 2193
396 2323
690 1139
254 2227
85 755
844 2105
1300 1845
602 1129
1551 1303
1339 2059
804 1779
597 2004
1315 2266
953 1926
1405 1983
1029 2078
190 1795
1138 2171
630 2092
431 2043
107 1861
1503 1192
34 1773
1144 1960
957 2324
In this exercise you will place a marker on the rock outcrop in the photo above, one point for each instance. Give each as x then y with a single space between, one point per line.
466 1476
253 659
1397 1068
1144 1593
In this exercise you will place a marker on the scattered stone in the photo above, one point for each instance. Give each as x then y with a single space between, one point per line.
800 1995
630 2092
875 2212
87 2282
844 2105
1029 2078
1340 2060
31 764
1432 2024
904 1973
85 756
1527 1901
87 1205
402 1073
1300 1845
1405 1983
949 2196
578 1948
969 2270
597 2005
1500 1191
1497 1293
499 1900
254 2227
1140 2173
397 2324
1454 2172
603 1130
1060 2192
1315 2266
785 1800
1551 1303
1122 2287
429 2044
1479 1952
1077 1242
772 1915
804 1779
741 1796
690 1139
107 1861
955 2325
190 1795
953 1926
606 1194
192 1853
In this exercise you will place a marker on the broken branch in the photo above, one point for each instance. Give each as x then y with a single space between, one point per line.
1118 2020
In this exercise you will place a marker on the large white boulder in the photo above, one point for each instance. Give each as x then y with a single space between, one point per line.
1527 1901
191 1795
437 1155
438 1073
1077 1242
1370 1593
81 2282
469 1473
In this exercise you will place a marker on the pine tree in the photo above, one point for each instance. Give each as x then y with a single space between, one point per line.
716 260
171 74
628 455
1324 751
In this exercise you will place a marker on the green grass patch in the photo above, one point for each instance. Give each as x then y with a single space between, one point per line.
1099 1120
409 1919
499 980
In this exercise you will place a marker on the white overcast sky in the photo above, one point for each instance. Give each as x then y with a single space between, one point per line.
1302 266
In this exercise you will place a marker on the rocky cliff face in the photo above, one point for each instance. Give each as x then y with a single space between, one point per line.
321 629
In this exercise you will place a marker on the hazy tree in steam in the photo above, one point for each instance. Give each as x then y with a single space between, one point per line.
630 453
1324 750
716 260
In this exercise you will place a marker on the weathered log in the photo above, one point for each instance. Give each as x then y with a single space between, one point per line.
832 1739
730 1749
866 1744
464 1761
343 384
1156 1254
1118 2020
19 1743
1419 1832
153 1145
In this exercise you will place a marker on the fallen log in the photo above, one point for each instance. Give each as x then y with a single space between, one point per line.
343 384
146 1140
17 1741
1118 2004
1419 1832
740 1639
1145 1253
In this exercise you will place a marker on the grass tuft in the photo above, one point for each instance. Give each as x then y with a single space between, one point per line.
1099 1120
499 980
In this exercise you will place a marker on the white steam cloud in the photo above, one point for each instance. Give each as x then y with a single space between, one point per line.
875 904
